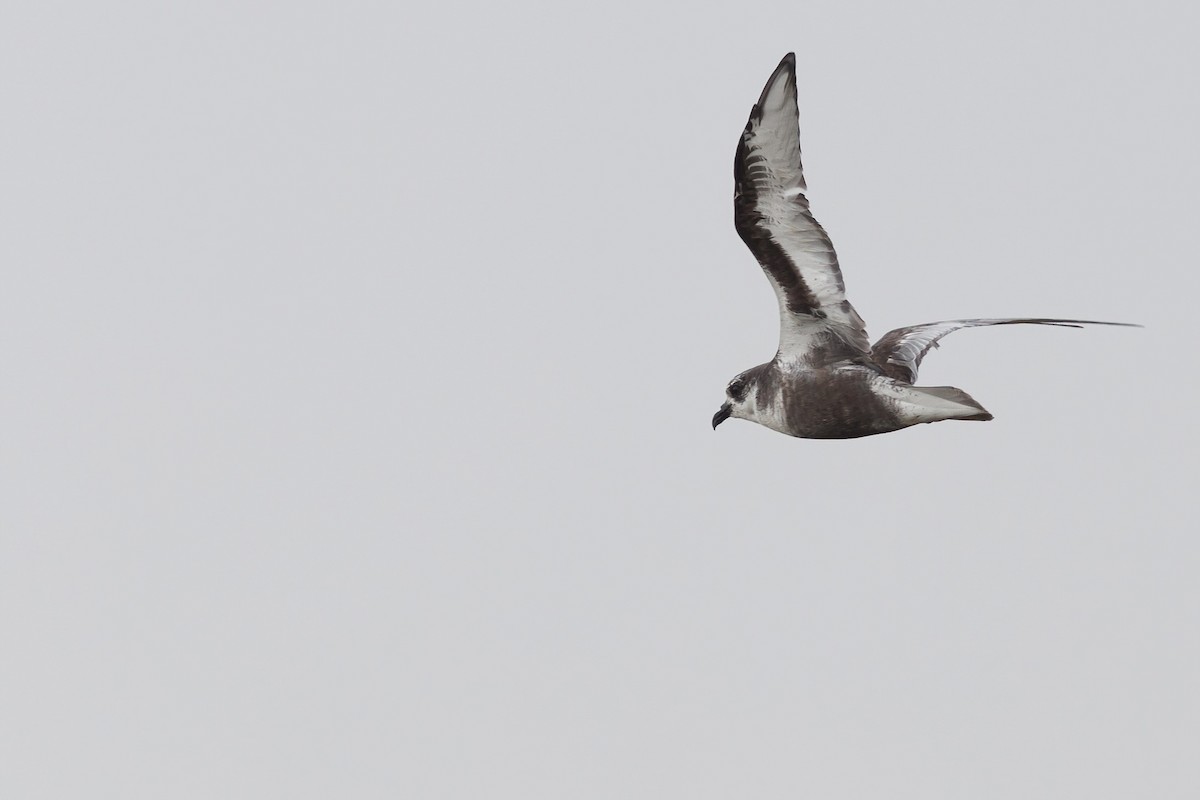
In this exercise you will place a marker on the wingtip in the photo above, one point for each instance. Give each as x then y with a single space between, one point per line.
785 71
787 65
1079 323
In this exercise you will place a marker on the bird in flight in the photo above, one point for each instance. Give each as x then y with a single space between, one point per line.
827 381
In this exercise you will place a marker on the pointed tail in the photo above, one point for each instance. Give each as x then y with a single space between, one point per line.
949 402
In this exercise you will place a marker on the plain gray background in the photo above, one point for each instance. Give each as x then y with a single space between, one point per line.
356 369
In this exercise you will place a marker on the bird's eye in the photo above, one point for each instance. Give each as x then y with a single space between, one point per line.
736 388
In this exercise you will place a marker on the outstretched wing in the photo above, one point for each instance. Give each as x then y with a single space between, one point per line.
816 322
899 352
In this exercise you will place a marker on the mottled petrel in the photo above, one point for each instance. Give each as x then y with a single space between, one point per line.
826 381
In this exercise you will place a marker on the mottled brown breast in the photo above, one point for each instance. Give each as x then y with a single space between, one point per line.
835 404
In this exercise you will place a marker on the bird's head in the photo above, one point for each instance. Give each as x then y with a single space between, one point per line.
739 398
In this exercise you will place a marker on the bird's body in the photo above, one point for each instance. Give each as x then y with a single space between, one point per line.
826 381
845 401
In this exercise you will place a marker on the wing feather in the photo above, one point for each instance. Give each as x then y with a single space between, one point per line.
900 352
772 215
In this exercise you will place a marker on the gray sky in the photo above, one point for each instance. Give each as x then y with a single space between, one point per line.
356 369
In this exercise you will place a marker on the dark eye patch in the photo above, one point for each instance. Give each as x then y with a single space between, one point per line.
737 389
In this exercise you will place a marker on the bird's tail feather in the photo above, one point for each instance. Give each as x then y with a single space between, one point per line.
954 403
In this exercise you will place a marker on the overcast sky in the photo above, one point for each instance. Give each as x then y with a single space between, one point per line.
357 363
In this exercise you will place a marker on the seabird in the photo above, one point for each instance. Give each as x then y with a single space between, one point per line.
827 381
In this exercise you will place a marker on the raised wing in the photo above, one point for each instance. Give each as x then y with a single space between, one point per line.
816 322
899 352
